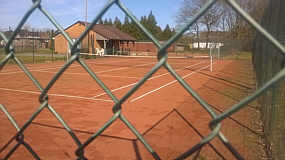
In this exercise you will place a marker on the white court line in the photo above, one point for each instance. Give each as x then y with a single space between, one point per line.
58 95
109 70
32 67
144 64
116 69
120 76
86 74
5 73
56 67
132 84
20 71
168 84
29 67
170 57
37 70
99 62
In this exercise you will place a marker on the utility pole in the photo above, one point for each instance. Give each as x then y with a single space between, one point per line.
86 7
33 38
86 23
52 45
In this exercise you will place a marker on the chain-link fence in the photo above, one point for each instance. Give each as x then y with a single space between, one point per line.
32 47
215 124
268 61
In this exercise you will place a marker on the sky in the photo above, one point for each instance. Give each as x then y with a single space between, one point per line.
67 12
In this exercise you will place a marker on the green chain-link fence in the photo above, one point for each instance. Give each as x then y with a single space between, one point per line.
267 62
215 124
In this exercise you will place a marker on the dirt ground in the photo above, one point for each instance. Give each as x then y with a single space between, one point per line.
168 117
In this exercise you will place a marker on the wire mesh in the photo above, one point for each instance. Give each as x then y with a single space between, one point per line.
266 66
162 61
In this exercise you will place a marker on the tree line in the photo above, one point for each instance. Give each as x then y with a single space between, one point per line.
149 22
222 18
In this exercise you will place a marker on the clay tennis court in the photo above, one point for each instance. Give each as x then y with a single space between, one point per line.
161 110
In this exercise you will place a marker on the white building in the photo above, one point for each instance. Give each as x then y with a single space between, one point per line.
203 45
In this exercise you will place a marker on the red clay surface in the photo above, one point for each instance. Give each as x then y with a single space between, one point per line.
167 116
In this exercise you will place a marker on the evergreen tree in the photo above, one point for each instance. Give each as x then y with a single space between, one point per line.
142 35
118 23
100 21
126 26
135 31
167 33
149 22
106 21
110 22
151 25
143 20
126 21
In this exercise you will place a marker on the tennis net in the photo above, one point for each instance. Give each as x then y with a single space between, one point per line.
142 61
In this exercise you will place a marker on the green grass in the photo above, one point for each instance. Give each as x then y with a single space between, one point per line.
37 59
37 51
242 55
197 51
1 51
88 56
29 50
43 55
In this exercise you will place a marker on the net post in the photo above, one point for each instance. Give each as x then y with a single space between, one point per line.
68 51
211 63
219 53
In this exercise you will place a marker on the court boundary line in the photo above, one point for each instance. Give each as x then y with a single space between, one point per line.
110 70
168 84
83 74
36 70
56 95
94 97
121 68
132 84
171 57
40 68
31 66
103 71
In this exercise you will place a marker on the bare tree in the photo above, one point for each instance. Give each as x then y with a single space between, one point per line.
183 18
222 18
207 22
238 28
234 21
